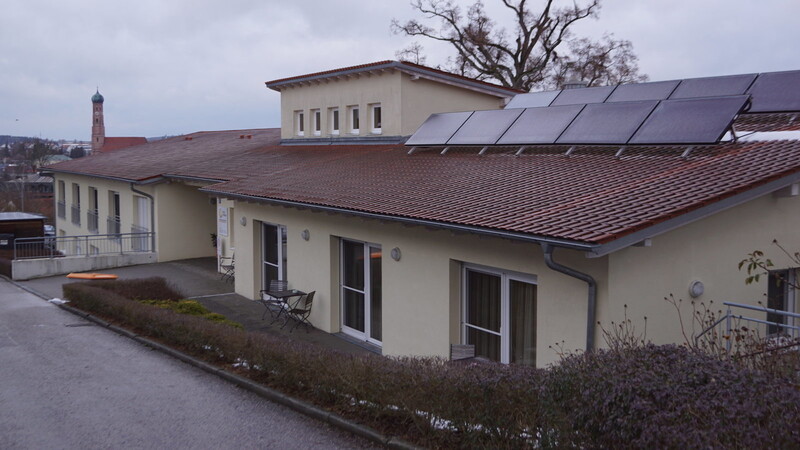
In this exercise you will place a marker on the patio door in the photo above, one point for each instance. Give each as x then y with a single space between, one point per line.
273 253
499 314
361 290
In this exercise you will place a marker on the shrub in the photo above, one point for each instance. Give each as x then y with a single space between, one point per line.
629 396
153 288
191 308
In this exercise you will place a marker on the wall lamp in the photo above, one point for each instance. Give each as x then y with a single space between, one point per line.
395 253
305 234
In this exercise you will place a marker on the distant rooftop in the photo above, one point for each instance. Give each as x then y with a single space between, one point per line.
15 216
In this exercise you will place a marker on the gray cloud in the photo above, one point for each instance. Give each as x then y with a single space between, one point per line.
182 66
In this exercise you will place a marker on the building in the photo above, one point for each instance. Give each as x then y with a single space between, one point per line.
101 143
508 230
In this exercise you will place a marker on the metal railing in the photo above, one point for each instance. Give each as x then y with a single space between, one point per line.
144 240
76 214
112 225
92 221
789 328
61 208
87 245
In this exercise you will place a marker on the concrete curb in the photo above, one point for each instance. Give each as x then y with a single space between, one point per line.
244 383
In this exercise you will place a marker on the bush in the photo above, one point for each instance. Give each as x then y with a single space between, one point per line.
153 288
631 396
191 308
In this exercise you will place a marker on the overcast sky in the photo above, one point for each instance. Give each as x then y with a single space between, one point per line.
178 66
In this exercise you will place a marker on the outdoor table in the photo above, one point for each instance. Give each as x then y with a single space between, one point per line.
284 297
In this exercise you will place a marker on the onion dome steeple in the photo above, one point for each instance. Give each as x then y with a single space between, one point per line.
97 98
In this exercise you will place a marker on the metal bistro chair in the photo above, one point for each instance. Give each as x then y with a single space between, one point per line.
270 301
301 310
228 264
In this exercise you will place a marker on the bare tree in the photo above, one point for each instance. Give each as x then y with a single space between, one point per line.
529 57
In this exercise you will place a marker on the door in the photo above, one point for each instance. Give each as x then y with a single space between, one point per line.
500 315
273 253
361 290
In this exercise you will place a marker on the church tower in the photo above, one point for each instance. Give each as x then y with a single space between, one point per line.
98 127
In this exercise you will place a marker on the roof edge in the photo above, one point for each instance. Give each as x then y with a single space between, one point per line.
693 216
517 236
404 66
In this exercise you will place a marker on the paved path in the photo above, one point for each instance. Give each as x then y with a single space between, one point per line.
65 383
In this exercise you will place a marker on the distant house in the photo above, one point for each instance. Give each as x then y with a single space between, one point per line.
504 229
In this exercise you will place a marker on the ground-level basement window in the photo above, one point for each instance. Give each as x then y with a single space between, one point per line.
334 120
499 314
299 123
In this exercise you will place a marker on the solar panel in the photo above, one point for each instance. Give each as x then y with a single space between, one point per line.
776 92
540 125
607 123
532 99
583 96
713 86
438 128
690 121
657 90
485 127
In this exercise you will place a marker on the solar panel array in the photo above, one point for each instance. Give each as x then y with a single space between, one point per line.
682 121
769 92
690 111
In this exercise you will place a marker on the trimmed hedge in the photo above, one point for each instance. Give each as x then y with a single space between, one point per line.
648 396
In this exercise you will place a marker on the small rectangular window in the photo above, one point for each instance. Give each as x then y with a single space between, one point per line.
334 118
355 122
299 123
375 112
317 118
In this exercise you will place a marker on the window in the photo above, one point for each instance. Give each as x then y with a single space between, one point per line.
273 253
782 295
355 121
61 203
113 219
499 314
91 211
360 295
375 112
316 117
299 123
76 203
334 121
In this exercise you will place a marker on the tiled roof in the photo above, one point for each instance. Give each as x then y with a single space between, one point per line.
589 197
176 154
396 64
116 143
769 122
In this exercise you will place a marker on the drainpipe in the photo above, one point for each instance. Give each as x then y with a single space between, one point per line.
152 216
592 297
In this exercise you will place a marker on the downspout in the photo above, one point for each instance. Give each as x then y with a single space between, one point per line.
592 297
152 216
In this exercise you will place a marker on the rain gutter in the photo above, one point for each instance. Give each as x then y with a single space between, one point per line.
591 301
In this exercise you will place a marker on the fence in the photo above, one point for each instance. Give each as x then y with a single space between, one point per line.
88 245
782 323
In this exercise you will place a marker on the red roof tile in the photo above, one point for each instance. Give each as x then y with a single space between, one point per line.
589 196
116 143
769 122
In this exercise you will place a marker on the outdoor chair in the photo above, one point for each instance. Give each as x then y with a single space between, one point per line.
300 311
228 265
271 303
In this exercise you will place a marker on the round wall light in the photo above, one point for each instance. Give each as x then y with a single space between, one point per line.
395 254
305 234
696 288
243 221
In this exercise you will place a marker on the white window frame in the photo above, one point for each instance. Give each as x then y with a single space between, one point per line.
505 304
316 119
335 121
282 251
354 119
299 123
367 293
373 109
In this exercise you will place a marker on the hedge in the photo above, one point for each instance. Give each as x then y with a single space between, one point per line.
649 396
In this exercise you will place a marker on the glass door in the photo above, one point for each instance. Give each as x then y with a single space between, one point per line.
361 290
500 315
273 253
